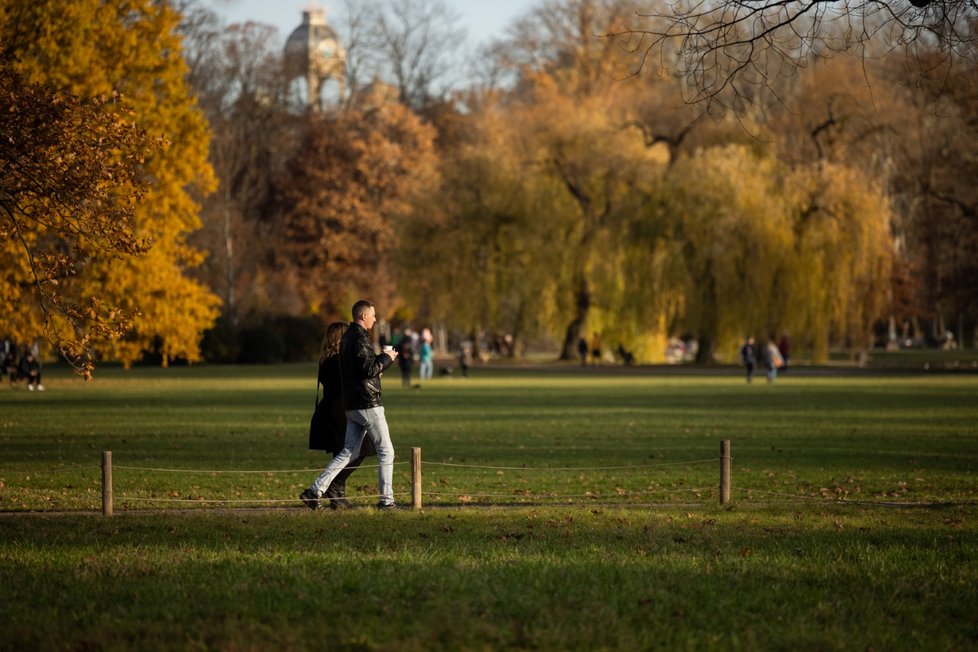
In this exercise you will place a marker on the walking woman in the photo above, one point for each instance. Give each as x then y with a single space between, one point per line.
331 431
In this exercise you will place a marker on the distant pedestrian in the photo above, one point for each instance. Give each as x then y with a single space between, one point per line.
465 357
426 356
748 356
784 348
30 369
10 363
405 358
582 350
772 360
627 357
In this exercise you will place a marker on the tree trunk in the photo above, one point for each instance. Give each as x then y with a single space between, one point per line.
706 354
575 330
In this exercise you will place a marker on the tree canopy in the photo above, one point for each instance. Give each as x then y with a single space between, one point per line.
341 198
70 177
127 51
563 196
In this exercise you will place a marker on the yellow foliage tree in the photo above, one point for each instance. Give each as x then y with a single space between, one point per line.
90 48
760 248
70 177
478 251
843 256
730 238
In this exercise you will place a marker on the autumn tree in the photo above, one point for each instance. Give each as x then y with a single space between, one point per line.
342 198
70 177
236 72
479 251
91 48
729 238
912 141
577 113
938 201
842 257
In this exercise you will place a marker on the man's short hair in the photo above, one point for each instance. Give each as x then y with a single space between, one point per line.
360 309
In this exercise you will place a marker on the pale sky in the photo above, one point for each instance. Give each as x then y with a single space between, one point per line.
483 19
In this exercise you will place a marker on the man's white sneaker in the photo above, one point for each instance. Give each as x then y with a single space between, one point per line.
40 387
30 387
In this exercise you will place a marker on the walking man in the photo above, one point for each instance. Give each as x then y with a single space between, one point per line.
748 355
360 371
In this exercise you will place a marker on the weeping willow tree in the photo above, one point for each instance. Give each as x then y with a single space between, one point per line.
529 233
758 248
599 174
729 241
474 251
843 256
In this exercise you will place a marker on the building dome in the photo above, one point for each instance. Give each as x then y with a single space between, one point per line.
313 52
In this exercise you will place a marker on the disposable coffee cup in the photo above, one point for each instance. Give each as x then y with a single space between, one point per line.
388 348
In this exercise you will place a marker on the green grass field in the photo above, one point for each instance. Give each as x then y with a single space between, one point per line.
564 509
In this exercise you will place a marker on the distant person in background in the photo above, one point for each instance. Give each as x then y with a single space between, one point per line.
330 435
772 359
405 358
427 355
748 356
582 350
627 357
784 348
464 357
30 369
8 357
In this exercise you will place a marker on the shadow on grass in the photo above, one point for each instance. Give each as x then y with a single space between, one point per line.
542 578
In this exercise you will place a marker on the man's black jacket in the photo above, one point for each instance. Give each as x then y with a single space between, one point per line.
360 369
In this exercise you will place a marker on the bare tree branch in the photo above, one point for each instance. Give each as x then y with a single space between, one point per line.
732 52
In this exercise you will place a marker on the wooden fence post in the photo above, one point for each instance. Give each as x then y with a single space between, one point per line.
725 467
106 483
416 478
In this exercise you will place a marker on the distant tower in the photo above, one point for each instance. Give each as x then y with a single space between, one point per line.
313 53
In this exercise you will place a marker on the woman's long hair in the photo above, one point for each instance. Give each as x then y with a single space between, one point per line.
331 342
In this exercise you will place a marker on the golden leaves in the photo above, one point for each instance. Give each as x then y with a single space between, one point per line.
346 189
98 177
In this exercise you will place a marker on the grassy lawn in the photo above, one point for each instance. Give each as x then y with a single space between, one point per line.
534 536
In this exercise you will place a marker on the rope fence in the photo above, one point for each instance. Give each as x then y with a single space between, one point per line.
724 488
570 468
236 471
416 494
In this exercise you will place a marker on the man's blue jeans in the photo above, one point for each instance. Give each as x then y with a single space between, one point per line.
359 424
